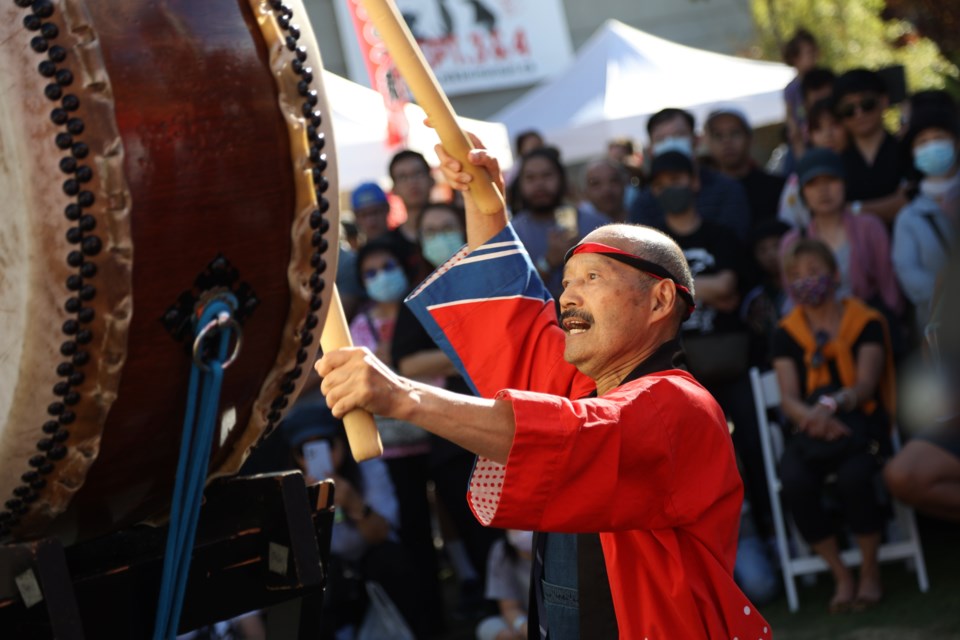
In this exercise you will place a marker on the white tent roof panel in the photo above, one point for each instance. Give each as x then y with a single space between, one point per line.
622 75
360 130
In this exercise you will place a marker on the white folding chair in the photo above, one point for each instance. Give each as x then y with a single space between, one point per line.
903 537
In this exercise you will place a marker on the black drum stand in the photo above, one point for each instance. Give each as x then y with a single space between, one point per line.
263 543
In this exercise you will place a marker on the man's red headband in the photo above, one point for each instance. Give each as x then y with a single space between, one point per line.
652 269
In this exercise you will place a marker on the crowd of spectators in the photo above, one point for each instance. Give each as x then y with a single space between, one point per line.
824 270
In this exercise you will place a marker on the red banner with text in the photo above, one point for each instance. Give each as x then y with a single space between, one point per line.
384 76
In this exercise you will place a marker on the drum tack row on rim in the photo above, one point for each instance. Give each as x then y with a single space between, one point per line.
152 155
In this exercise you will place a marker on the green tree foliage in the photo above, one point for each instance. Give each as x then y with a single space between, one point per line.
937 20
854 33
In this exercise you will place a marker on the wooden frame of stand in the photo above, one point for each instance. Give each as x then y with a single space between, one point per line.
262 543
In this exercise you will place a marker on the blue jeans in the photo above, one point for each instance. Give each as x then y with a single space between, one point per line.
754 572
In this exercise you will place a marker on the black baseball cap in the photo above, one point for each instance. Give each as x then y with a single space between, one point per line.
819 162
858 81
671 161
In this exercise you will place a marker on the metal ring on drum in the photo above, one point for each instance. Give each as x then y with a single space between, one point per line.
221 322
152 155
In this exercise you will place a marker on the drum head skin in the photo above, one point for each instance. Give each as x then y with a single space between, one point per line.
152 156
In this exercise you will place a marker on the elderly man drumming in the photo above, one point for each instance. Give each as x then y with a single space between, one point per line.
586 430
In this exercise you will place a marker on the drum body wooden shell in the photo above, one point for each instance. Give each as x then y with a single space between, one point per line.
155 154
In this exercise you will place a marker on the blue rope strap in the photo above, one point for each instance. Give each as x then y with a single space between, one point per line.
199 425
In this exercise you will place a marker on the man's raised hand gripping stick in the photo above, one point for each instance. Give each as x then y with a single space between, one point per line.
423 84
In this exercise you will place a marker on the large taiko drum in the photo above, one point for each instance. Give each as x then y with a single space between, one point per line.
153 155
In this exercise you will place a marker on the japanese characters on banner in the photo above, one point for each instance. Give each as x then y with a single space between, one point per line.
474 45
382 74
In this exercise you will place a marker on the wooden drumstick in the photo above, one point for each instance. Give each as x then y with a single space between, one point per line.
424 86
361 430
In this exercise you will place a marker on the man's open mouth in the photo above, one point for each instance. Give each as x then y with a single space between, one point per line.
575 326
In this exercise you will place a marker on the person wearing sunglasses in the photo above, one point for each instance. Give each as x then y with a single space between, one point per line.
834 367
875 171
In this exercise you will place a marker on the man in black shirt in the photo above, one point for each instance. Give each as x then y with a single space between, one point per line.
728 138
715 342
719 199
873 162
711 248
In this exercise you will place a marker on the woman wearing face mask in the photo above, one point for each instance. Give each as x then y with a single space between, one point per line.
860 242
405 447
441 231
835 371
381 273
924 229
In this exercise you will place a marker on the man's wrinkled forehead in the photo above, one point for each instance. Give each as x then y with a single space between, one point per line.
592 245
596 260
590 260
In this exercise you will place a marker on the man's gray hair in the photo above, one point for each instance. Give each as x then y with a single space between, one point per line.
653 245
669 255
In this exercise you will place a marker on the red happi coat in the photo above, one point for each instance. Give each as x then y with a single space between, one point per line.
649 465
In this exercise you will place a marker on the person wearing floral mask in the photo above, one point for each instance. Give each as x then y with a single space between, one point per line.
834 367
924 231
860 242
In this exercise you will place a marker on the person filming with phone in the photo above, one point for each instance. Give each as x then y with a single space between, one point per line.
364 545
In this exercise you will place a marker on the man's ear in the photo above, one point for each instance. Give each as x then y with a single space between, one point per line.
662 299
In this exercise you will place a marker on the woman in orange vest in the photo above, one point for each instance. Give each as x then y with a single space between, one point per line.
833 362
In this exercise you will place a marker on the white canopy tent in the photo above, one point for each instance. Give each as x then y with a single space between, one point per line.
360 129
621 76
